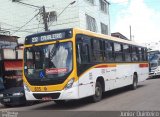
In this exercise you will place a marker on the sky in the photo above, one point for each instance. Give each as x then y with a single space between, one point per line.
142 15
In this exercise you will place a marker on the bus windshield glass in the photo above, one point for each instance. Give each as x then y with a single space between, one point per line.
48 61
153 64
153 57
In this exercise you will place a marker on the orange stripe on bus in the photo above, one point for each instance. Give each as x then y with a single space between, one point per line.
105 66
143 65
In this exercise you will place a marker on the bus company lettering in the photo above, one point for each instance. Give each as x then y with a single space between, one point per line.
56 70
51 37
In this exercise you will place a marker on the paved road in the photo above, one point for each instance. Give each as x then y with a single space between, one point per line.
145 98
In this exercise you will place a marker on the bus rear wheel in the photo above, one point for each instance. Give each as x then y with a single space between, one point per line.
98 92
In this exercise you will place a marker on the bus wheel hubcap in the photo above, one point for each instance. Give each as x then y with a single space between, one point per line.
135 84
98 91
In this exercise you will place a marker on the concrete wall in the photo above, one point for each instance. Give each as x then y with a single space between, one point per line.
94 11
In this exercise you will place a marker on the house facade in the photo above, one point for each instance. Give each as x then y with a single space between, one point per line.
86 14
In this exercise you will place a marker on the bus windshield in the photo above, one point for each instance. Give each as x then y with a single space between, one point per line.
48 61
153 64
153 57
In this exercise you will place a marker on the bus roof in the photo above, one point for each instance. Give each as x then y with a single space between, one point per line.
86 32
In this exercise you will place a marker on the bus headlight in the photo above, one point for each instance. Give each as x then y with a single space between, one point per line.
69 84
26 87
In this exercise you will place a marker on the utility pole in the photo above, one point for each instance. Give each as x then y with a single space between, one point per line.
130 29
44 15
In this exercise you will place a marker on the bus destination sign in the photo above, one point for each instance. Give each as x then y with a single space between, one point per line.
49 37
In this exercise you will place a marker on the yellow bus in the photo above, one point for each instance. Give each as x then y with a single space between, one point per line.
74 63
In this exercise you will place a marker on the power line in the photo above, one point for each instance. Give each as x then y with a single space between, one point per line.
34 6
41 10
14 28
26 23
8 29
31 5
3 23
55 24
15 21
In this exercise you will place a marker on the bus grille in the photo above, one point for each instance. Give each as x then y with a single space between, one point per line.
52 95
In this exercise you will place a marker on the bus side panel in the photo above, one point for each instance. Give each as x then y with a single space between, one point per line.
143 75
86 84
88 80
118 77
110 77
114 77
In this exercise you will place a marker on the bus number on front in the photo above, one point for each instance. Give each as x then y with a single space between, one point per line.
37 89
34 39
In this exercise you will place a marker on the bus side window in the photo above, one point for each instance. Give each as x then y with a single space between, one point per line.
78 54
109 52
134 54
126 53
97 50
146 55
83 53
143 54
140 54
118 52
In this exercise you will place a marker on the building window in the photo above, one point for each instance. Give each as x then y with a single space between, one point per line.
103 5
91 23
91 1
104 29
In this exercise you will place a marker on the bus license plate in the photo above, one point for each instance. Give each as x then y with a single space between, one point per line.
47 98
6 100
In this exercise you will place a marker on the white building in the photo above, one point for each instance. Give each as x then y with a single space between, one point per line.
87 14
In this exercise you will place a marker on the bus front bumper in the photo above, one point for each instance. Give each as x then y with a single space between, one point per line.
68 94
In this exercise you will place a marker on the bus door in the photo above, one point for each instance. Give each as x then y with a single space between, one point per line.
83 64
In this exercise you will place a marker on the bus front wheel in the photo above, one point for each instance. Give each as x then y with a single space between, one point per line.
98 92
